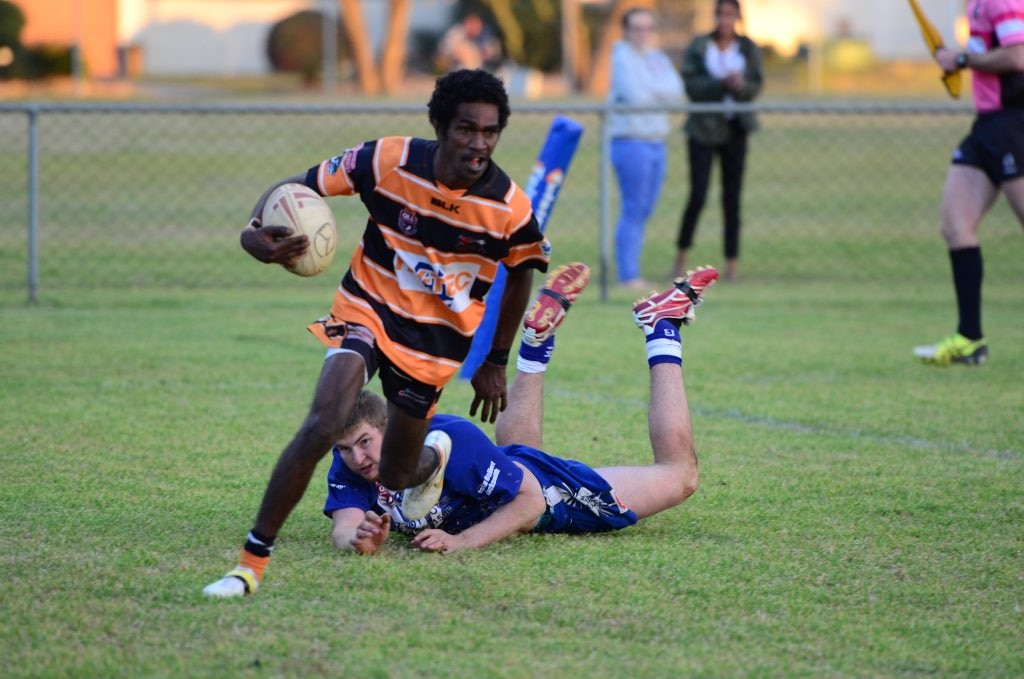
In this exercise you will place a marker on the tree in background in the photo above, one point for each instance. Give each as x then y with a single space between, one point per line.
530 30
295 44
18 61
12 20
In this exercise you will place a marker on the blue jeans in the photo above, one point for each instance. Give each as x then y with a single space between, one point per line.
640 168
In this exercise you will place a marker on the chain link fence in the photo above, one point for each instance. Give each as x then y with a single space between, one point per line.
124 195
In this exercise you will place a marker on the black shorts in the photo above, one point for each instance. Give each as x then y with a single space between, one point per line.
414 397
995 146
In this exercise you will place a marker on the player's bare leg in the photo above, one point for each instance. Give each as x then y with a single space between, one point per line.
1014 191
680 264
521 421
340 381
674 475
413 460
341 378
967 196
403 460
731 273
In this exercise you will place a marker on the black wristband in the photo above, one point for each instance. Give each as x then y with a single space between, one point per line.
498 357
255 223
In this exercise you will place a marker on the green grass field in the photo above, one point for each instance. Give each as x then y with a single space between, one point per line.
859 514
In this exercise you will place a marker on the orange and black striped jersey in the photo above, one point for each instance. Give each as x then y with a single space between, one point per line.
428 254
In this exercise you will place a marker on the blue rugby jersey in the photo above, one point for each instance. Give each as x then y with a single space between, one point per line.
480 477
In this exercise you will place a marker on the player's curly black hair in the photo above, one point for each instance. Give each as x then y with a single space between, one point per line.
467 86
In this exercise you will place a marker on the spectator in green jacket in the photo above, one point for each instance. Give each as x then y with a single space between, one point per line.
722 66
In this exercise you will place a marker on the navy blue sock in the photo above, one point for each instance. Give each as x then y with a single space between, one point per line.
968 272
664 344
535 359
259 544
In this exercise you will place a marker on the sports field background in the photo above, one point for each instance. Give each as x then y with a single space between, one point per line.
150 198
859 514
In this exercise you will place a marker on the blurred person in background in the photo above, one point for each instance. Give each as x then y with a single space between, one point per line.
469 44
989 159
722 66
644 76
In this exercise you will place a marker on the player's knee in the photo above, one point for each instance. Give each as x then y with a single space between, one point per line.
948 231
393 475
319 432
685 483
689 482
957 233
679 482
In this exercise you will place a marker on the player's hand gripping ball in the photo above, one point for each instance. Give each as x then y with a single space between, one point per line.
304 211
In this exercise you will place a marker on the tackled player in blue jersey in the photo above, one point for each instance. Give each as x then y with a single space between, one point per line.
493 491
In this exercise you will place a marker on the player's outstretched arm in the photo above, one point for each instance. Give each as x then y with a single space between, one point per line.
355 530
518 516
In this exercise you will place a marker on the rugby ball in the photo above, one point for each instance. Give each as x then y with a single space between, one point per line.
302 209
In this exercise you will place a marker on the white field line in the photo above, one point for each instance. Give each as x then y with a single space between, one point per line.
802 428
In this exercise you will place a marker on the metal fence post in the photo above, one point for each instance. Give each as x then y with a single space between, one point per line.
604 186
33 203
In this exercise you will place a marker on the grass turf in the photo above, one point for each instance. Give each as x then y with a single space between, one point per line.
859 514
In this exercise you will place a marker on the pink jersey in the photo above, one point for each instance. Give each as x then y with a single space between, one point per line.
996 23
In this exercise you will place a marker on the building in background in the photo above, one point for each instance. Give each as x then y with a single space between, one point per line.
227 38
888 27
90 24
220 38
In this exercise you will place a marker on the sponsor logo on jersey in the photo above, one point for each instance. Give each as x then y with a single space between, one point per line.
387 498
1009 165
585 498
408 222
348 159
408 394
470 244
490 480
451 283
333 164
450 207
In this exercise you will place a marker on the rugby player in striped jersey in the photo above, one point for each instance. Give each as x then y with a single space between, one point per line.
442 217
